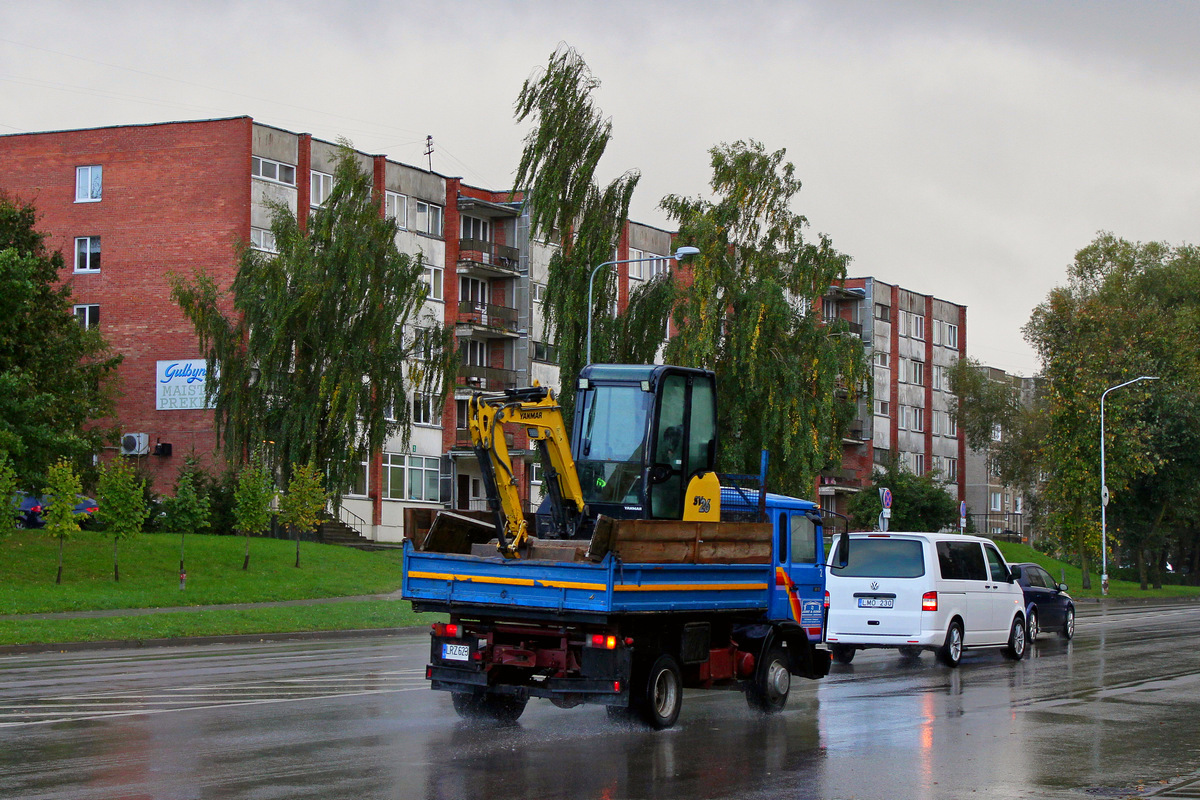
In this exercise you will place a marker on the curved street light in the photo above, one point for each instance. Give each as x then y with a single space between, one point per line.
680 253
1104 487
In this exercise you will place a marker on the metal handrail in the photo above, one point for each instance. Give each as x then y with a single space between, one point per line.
355 521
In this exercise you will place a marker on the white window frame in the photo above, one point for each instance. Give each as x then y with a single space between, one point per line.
905 416
994 499
87 259
365 475
425 411
537 292
476 228
951 468
917 375
882 408
997 433
659 266
917 323
883 312
951 337
395 206
918 420
918 463
263 240
394 464
89 183
423 466
319 188
427 214
636 268
258 169
88 315
434 278
881 358
951 426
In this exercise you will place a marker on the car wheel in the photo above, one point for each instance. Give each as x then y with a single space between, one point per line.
910 652
1068 628
1032 629
841 653
772 682
1016 640
20 523
663 693
950 653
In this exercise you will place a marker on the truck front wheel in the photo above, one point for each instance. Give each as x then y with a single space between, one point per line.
495 707
663 693
772 682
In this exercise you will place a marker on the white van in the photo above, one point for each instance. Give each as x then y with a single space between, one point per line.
922 591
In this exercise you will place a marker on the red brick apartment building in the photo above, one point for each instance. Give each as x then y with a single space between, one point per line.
129 205
912 340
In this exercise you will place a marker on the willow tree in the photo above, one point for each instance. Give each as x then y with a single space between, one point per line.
325 336
557 176
789 382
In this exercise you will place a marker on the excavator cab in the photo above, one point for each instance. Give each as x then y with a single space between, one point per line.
641 433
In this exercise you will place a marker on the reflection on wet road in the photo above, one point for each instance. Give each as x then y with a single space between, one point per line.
1112 713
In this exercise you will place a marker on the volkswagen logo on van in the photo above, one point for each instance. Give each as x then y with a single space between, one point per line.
874 586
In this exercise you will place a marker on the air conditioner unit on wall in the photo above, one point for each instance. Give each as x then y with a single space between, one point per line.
135 444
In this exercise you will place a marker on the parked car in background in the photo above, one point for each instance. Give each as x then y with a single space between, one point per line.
29 509
922 591
1048 607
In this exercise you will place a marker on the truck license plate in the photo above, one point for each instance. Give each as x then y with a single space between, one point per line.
875 602
456 652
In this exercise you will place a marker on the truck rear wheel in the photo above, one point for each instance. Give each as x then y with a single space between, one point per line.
663 693
494 707
772 682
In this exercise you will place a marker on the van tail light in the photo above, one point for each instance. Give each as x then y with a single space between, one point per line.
929 601
826 600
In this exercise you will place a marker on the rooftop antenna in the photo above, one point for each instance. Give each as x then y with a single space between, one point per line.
429 150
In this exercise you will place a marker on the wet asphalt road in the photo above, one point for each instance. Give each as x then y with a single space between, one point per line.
1114 714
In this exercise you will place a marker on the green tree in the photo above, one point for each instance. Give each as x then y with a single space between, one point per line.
301 506
324 337
557 173
63 488
187 511
8 494
919 502
122 504
750 314
252 495
56 379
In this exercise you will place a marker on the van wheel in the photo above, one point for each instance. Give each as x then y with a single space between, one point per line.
1016 640
769 690
841 653
1068 628
663 693
950 653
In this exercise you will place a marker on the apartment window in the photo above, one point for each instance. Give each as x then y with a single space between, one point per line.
423 478
917 372
262 239
882 456
535 475
997 433
320 188
883 313
658 266
882 359
937 465
1019 504
434 276
951 425
425 410
475 353
476 228
951 339
88 316
917 326
537 291
395 206
918 420
905 417
393 476
472 290
358 481
89 183
918 463
270 170
545 352
951 469
883 408
425 345
429 218
994 504
87 254
461 412
936 422
636 270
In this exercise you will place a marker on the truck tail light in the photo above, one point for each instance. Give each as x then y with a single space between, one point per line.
450 629
606 642
929 601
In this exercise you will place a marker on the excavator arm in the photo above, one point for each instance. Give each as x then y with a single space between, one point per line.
537 410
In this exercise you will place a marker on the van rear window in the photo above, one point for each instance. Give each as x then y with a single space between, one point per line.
881 558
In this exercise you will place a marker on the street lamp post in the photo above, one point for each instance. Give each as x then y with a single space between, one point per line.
680 253
1104 486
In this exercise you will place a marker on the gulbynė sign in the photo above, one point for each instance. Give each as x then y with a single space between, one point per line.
180 385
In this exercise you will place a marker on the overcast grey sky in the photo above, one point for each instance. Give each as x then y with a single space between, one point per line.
965 150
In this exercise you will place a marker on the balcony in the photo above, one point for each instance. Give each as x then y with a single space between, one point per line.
485 318
487 379
487 259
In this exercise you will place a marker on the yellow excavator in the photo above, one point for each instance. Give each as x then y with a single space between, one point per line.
643 446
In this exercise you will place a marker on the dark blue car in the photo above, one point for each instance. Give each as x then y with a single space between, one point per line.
29 508
1048 607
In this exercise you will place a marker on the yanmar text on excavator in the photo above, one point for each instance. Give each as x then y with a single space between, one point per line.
652 572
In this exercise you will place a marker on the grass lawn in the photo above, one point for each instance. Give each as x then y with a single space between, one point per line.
1017 553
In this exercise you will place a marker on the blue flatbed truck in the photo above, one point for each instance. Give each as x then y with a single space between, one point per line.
630 618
